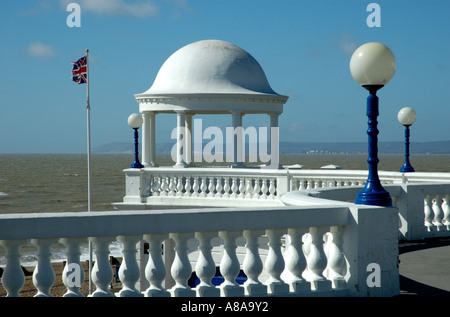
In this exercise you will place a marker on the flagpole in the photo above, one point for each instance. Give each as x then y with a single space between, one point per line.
88 109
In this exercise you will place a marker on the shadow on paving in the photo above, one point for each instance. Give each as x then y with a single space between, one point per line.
410 287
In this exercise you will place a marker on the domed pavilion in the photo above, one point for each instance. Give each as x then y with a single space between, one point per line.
206 77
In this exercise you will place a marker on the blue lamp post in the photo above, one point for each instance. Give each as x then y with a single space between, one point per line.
135 122
406 116
372 65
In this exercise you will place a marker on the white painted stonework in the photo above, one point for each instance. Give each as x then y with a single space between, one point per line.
206 77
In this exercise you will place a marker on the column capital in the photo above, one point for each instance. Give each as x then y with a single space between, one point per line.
149 113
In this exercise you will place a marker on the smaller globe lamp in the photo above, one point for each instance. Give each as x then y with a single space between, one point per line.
135 122
407 116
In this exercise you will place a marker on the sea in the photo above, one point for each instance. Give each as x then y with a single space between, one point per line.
59 182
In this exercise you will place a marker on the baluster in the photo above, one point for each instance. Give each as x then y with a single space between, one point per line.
181 269
337 266
438 213
13 278
73 273
195 187
172 185
211 187
180 185
253 265
317 261
205 267
226 187
102 273
155 270
229 265
187 186
264 188
302 184
156 186
446 209
43 275
275 263
219 187
164 186
272 188
248 188
129 269
256 189
203 187
234 188
296 261
429 214
241 187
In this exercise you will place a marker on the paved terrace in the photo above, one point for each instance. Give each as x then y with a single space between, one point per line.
425 267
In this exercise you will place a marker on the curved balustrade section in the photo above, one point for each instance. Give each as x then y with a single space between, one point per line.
423 208
282 251
148 188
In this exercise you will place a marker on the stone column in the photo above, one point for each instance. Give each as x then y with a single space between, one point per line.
274 140
188 139
237 140
148 139
181 135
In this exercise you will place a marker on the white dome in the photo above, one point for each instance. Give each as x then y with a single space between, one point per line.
210 67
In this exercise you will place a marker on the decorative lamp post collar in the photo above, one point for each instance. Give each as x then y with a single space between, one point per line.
135 122
372 66
407 116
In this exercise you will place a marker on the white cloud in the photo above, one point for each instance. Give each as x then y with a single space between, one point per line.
346 44
116 7
40 50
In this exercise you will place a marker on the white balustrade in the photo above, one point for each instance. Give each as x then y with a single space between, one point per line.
129 268
275 263
155 270
229 265
296 261
13 277
316 261
102 273
73 274
43 275
205 267
446 209
181 267
336 266
308 250
253 265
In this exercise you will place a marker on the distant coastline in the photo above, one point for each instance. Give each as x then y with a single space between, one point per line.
435 147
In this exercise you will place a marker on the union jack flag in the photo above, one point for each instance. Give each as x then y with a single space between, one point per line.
79 71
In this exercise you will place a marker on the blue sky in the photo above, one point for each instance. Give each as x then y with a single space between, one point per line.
303 46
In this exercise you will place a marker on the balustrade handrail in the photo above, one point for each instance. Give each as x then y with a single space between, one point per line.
114 223
331 269
397 177
424 208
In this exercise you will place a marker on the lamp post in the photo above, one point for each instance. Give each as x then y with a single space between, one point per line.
372 65
135 122
406 116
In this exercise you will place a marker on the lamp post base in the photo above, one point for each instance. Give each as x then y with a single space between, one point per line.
136 164
407 169
375 195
